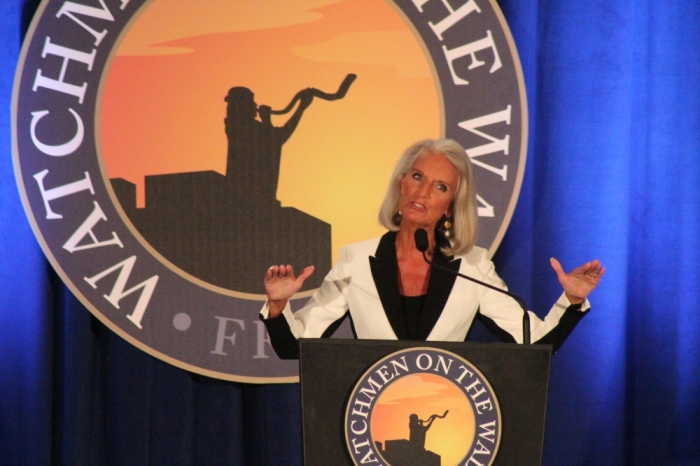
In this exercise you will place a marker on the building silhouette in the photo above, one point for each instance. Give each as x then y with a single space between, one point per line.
228 229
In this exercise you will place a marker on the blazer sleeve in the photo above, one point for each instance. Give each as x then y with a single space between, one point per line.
324 308
503 316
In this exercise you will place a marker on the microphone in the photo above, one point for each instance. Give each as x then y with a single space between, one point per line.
421 239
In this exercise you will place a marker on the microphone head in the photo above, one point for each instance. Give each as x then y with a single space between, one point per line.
421 237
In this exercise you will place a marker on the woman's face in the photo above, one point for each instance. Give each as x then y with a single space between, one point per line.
427 191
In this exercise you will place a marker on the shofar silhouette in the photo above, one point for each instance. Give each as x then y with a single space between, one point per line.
342 90
436 416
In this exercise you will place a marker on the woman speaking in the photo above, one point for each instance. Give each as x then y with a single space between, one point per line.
391 292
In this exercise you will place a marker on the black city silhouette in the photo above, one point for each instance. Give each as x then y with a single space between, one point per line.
411 452
228 229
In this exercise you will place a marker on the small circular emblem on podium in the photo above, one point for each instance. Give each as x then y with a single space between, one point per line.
423 406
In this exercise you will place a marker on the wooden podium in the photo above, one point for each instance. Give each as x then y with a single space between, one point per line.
330 368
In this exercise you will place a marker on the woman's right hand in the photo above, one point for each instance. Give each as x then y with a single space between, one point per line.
281 284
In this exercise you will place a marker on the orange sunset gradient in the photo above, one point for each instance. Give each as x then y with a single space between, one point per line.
425 395
162 102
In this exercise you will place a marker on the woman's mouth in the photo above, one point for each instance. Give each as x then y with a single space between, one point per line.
418 206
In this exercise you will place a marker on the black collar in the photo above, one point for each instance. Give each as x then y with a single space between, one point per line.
385 272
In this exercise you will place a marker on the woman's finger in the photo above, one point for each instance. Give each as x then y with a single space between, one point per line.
558 269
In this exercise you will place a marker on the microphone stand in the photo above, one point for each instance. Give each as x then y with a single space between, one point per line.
518 299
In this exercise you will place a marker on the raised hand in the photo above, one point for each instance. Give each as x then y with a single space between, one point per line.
281 284
581 281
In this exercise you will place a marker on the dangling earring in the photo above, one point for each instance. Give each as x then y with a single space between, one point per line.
397 218
447 229
444 227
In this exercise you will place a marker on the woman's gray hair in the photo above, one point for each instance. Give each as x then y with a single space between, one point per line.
464 201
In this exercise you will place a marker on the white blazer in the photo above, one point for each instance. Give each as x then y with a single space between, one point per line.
365 283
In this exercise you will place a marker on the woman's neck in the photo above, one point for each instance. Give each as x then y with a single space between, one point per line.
414 272
406 242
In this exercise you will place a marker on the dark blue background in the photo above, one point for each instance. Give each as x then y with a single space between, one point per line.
613 173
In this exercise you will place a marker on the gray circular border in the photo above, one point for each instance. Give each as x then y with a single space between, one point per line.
240 304
421 349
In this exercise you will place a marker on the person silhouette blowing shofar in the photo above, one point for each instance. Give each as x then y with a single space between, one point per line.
255 146
418 428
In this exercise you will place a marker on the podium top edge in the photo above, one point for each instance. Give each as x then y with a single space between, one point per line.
351 342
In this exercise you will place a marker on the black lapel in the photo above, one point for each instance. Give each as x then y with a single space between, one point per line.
439 289
385 272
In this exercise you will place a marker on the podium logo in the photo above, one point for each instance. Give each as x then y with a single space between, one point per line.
423 406
167 155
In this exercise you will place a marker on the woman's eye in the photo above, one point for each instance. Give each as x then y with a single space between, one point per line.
417 176
442 187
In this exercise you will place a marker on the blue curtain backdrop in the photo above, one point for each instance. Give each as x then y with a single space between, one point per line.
613 173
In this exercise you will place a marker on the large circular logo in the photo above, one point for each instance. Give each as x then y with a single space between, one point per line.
422 406
167 155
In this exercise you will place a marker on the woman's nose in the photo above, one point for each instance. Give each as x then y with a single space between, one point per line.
424 190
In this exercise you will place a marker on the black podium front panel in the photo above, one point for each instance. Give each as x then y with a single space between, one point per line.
330 368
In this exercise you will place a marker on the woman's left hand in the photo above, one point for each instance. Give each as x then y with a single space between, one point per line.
581 281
